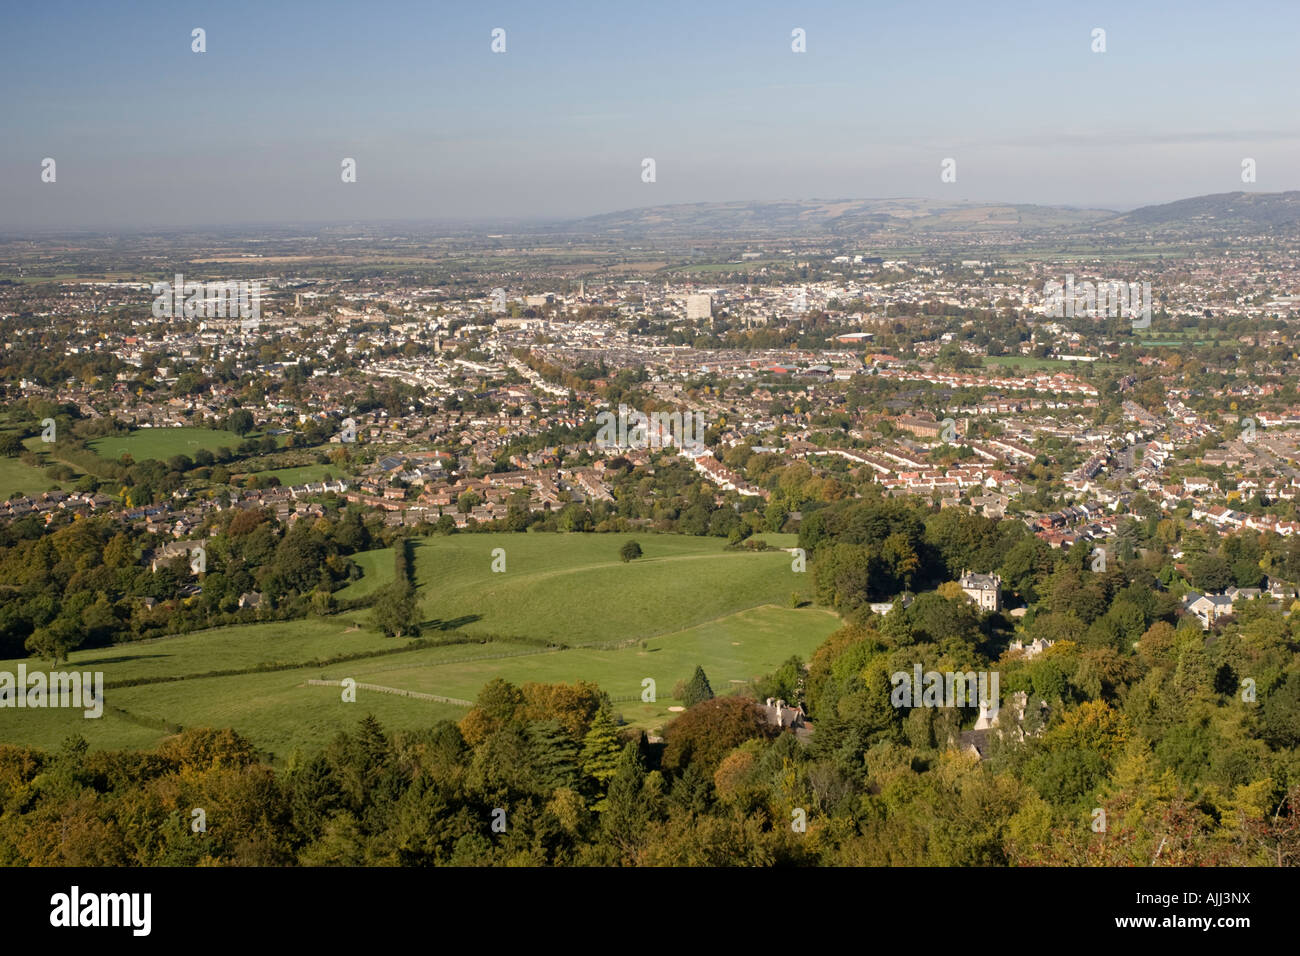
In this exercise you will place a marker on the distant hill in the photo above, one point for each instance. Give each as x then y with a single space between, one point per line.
1239 212
836 217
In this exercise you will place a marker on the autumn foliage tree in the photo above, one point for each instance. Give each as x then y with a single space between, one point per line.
704 734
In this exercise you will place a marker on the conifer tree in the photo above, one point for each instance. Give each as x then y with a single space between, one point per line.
698 690
553 755
601 749
625 815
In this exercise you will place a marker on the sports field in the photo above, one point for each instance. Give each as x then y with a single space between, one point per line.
163 443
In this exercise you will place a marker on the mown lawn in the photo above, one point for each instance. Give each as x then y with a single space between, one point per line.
163 443
302 474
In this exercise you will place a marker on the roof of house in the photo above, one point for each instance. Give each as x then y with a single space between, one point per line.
970 579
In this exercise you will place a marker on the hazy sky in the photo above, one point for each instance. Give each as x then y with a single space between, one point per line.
146 132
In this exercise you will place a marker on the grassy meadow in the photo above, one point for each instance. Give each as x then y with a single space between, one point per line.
687 601
18 478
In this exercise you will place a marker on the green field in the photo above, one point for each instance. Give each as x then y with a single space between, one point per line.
301 474
377 569
1167 337
574 589
1030 363
17 478
731 266
688 599
733 650
163 443
1026 361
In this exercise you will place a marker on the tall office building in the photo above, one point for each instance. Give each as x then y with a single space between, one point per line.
699 307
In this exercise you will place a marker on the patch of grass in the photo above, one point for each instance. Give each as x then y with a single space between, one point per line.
227 648
301 474
277 709
377 569
746 266
1027 361
48 729
18 478
280 712
689 601
574 589
163 443
733 650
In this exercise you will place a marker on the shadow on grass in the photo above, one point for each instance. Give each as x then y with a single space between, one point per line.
120 659
454 623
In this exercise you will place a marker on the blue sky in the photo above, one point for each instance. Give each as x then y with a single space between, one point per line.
147 133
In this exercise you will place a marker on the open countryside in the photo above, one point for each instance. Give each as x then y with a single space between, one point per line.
691 601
